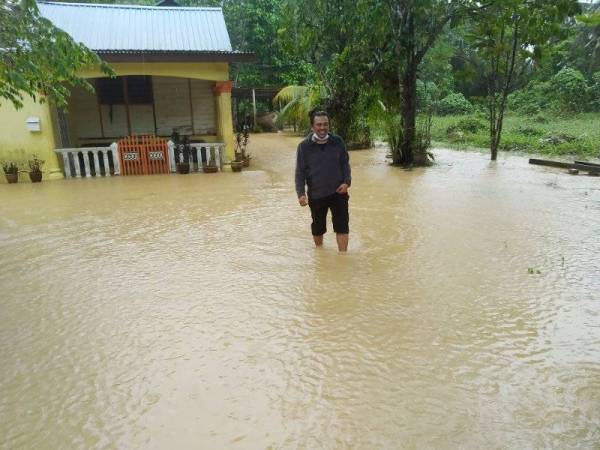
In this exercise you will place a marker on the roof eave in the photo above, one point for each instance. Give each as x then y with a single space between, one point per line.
173 56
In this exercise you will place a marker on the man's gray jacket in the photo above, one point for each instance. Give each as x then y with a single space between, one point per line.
321 167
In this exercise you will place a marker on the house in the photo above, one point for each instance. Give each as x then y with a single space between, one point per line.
172 67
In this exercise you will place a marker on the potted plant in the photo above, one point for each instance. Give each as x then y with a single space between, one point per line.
182 153
241 143
35 169
236 166
11 171
211 167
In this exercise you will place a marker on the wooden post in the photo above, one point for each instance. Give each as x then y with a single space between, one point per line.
254 107
99 106
191 104
126 95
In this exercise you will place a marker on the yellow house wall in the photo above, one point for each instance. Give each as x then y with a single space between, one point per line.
202 71
18 144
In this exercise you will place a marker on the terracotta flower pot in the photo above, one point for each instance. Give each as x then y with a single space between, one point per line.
246 161
236 166
183 168
210 169
12 177
35 177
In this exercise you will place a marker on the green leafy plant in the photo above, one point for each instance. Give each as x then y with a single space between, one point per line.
455 103
35 164
298 101
241 143
466 125
571 87
10 167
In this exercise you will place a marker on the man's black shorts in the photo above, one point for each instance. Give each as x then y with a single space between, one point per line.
338 203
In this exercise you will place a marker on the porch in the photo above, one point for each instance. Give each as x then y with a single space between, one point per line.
89 130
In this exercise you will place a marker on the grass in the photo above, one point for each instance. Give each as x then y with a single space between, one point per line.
575 135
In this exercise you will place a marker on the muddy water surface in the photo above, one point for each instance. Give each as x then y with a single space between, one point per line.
193 312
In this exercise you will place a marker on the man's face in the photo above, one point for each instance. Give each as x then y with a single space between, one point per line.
320 126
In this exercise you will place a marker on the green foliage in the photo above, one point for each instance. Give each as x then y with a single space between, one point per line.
35 164
509 36
594 92
573 135
10 167
392 129
36 58
536 97
467 125
455 103
297 102
428 96
529 131
570 87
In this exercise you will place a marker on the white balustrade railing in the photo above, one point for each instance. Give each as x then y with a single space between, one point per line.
202 152
90 161
104 161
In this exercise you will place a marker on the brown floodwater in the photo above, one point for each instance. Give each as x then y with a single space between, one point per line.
192 311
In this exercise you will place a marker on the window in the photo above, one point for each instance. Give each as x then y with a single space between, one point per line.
111 91
139 90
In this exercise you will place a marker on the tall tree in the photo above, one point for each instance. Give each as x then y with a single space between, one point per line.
509 34
36 58
337 38
414 27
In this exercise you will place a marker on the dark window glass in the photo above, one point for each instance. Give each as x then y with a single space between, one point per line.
139 90
110 91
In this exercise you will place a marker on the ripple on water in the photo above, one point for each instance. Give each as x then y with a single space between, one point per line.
193 311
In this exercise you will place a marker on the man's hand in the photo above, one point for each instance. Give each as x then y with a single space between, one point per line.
303 200
342 189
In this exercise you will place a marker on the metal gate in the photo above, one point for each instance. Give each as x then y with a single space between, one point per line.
143 155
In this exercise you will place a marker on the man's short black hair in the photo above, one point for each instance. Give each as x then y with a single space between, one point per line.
317 113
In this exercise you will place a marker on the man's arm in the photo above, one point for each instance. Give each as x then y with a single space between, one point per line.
346 172
300 176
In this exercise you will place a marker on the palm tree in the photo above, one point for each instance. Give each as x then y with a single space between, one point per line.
297 102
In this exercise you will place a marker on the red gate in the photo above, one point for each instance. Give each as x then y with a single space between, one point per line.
143 155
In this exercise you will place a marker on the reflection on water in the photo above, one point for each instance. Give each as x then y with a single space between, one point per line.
192 311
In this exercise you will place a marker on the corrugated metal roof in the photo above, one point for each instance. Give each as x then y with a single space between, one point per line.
134 28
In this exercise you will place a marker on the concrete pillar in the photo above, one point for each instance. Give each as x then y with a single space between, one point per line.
222 91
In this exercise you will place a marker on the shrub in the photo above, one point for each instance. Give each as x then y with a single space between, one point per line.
571 88
455 103
467 125
533 99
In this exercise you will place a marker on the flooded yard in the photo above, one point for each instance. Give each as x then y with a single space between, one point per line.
192 311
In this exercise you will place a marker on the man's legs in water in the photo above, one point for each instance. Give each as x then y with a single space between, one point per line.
342 241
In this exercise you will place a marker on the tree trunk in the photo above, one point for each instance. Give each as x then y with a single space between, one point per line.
494 148
409 114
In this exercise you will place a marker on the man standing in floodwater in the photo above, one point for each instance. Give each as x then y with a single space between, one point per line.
323 164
